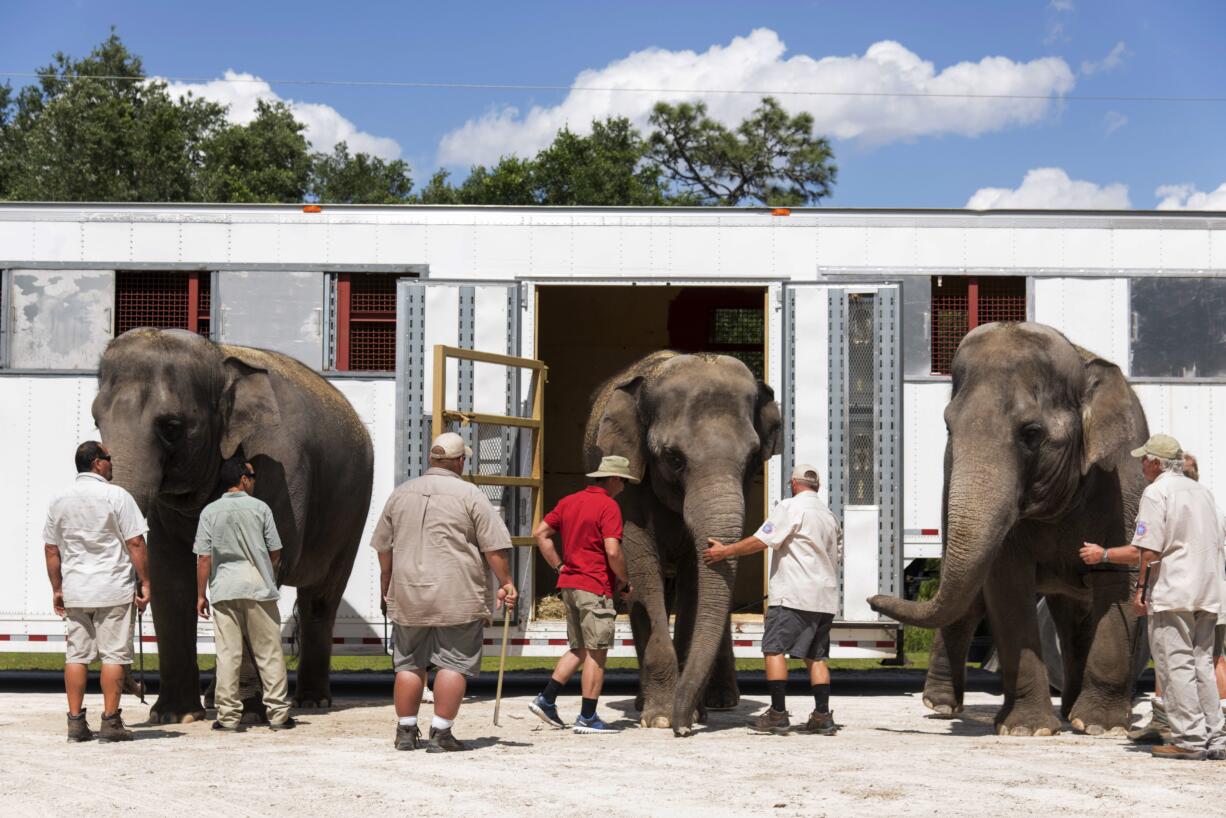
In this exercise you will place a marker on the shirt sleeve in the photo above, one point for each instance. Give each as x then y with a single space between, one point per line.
778 527
131 521
492 534
204 534
271 538
611 521
51 530
1150 532
384 537
554 518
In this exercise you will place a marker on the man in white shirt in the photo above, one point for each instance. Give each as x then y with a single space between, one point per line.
1179 533
94 538
807 542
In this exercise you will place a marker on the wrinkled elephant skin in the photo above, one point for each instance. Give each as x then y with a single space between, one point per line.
695 428
171 407
1036 463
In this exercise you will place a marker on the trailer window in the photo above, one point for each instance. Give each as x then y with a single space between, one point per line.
1176 327
738 333
961 303
164 300
365 322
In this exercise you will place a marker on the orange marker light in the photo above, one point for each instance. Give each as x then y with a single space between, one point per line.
312 209
780 211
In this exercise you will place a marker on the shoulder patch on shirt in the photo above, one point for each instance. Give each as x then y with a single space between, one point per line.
1142 529
768 527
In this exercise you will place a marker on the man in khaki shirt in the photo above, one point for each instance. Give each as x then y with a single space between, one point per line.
431 538
1180 537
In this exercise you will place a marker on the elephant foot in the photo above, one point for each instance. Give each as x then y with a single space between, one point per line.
312 702
176 711
683 731
254 712
654 716
721 698
1020 724
942 700
1095 719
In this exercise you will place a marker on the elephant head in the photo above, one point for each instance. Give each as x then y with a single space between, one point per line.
171 406
695 429
1029 417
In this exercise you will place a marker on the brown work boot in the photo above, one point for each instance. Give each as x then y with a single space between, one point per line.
441 741
772 721
1174 751
407 738
78 730
819 724
113 729
1158 731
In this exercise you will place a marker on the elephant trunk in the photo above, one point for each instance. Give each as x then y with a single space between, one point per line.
714 508
136 458
981 506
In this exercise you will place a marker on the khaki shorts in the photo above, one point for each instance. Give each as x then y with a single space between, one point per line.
98 633
590 619
451 647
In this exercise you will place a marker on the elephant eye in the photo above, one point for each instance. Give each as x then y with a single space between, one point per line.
169 428
674 459
1031 435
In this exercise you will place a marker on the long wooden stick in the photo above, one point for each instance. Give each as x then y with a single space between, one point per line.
502 658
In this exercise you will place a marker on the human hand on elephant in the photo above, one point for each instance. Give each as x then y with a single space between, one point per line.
716 552
1092 554
202 607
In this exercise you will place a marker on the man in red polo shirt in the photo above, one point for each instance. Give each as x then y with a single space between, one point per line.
590 523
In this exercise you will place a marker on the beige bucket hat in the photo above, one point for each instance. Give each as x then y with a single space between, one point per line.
614 466
1163 446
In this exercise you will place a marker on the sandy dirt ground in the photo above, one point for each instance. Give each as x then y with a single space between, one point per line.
890 759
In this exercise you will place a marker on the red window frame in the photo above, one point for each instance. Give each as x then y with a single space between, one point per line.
959 304
366 322
163 300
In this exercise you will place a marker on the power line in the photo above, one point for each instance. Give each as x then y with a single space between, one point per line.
502 86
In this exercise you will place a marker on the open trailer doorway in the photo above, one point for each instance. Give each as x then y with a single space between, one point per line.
586 334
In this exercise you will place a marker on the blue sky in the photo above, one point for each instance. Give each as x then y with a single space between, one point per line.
892 152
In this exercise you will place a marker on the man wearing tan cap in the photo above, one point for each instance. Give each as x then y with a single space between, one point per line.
590 524
807 542
1180 536
431 539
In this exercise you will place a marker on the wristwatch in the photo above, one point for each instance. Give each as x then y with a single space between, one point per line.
1104 557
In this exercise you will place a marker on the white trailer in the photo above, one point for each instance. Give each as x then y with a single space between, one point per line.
850 315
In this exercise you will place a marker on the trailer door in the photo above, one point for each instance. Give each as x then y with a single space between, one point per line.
843 412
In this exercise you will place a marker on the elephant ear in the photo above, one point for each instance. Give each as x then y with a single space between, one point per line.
1108 416
768 422
248 408
620 431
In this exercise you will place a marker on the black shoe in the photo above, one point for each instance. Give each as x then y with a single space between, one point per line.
819 724
407 738
226 728
288 724
441 741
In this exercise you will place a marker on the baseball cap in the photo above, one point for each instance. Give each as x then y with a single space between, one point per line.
1163 446
448 446
805 473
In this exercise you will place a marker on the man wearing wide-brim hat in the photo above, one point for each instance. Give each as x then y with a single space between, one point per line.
1180 533
590 525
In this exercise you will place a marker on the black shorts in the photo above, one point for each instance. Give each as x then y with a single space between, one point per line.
799 634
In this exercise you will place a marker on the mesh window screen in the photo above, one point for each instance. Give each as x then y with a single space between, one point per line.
861 401
372 322
204 307
739 333
162 300
961 303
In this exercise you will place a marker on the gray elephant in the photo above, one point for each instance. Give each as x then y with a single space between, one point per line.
171 407
1036 463
695 429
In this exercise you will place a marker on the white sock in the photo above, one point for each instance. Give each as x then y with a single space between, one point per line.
439 723
408 721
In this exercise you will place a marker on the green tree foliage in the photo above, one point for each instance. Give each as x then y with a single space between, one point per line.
120 140
338 177
604 168
265 160
770 157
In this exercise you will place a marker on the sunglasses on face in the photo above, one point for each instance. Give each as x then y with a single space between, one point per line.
105 457
250 475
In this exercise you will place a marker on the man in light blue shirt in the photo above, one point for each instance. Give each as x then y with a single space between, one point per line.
238 549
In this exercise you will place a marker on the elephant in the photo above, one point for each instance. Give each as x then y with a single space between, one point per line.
171 407
695 428
1036 463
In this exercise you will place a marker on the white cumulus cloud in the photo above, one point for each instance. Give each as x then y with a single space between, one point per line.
1113 60
325 126
1187 197
757 63
1051 189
